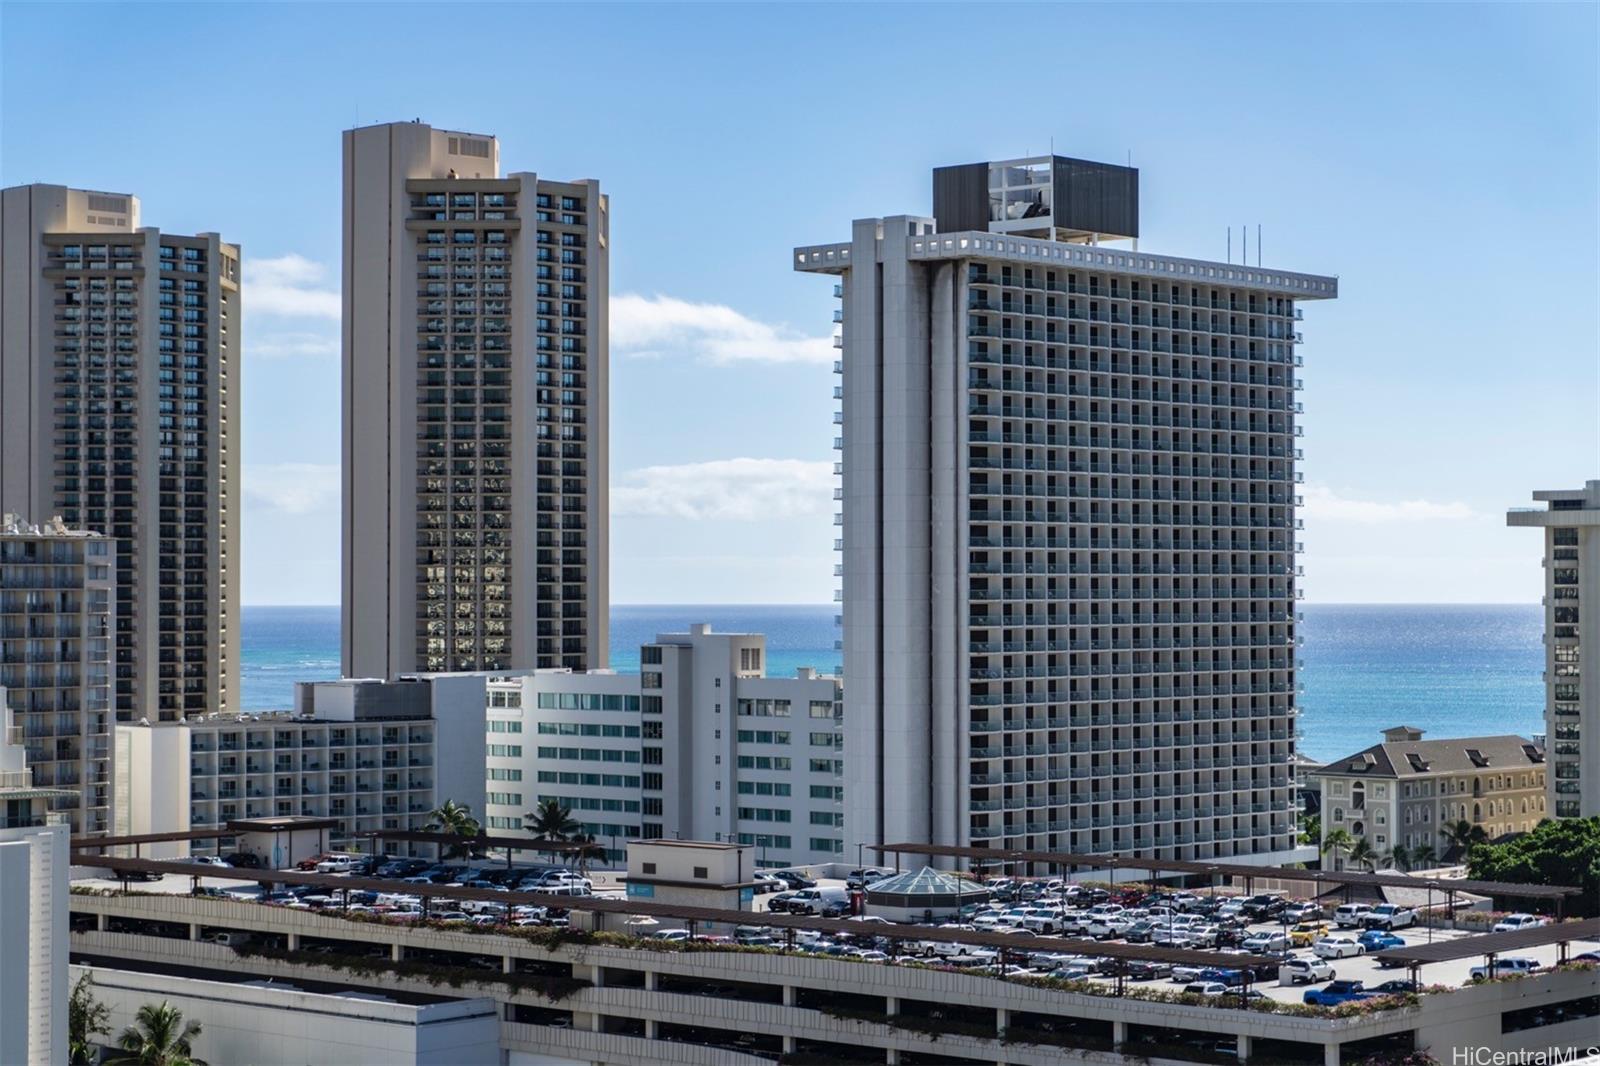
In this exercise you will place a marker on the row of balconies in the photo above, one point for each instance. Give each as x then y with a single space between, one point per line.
1197 542
1156 568
980 592
1284 307
1161 443
1052 619
979 353
1008 516
983 646
1069 489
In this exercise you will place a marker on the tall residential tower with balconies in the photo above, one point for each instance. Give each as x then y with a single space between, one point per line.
1069 532
474 409
119 401
1570 519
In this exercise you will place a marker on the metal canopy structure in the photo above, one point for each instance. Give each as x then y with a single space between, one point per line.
1155 867
1493 943
632 908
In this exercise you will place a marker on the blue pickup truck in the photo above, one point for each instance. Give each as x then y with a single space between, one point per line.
1336 992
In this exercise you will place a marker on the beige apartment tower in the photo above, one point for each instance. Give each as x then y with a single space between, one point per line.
119 394
1570 519
475 401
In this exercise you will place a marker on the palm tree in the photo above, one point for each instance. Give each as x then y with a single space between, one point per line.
1422 856
159 1037
1461 836
1337 841
1363 854
87 1018
456 819
1401 857
588 849
1310 829
552 823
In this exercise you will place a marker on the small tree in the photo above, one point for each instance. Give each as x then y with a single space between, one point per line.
1363 854
456 819
589 850
87 1018
1401 857
158 1037
1310 829
552 822
1561 852
1422 857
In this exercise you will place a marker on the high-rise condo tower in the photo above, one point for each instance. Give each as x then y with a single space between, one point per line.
475 405
1068 525
119 413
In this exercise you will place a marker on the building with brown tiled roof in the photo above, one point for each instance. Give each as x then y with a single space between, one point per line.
1405 791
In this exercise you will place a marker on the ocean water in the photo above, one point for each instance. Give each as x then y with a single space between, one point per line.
1452 670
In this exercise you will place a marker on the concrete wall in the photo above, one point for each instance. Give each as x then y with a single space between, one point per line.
285 1026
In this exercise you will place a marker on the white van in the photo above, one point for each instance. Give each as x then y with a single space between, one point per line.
823 900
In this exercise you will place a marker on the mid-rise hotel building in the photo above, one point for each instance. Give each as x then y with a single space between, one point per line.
475 409
57 595
1068 525
699 745
119 394
1570 519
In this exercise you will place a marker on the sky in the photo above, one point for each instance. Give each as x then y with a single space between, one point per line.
1441 160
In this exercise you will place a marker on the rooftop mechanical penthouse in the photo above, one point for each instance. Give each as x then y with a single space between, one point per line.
1068 524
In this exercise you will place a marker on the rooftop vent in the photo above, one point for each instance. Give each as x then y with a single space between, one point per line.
472 146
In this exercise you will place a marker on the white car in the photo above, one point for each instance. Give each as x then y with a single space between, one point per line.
1512 922
1266 943
339 864
1205 988
1106 926
1337 947
1304 971
1041 920
1349 915
1507 967
1389 917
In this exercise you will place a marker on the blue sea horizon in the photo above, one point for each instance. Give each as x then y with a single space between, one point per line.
1449 669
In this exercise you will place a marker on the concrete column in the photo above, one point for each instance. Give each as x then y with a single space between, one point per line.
508 964
891 1005
396 952
649 980
294 941
650 1028
1244 1047
790 995
788 1045
100 922
1330 1053
1002 1018
194 930
893 1057
1119 1033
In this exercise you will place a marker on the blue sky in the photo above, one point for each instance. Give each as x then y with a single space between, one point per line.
1440 159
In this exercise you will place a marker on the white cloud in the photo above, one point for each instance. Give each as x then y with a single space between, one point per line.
289 286
1322 502
293 488
287 345
730 489
645 326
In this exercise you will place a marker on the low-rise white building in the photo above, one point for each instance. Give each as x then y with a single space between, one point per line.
33 908
701 745
373 754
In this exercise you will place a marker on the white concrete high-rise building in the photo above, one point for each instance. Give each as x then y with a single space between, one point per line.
475 409
33 909
119 411
57 591
1571 523
1068 525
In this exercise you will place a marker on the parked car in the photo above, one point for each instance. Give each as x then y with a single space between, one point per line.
865 876
1304 971
1389 916
244 860
1511 966
1349 915
779 904
340 864
1148 971
209 860
794 880
1335 993
1379 940
1512 922
1205 988
1304 934
765 882
1266 943
820 901
1393 988
1264 906
1337 947
1302 911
